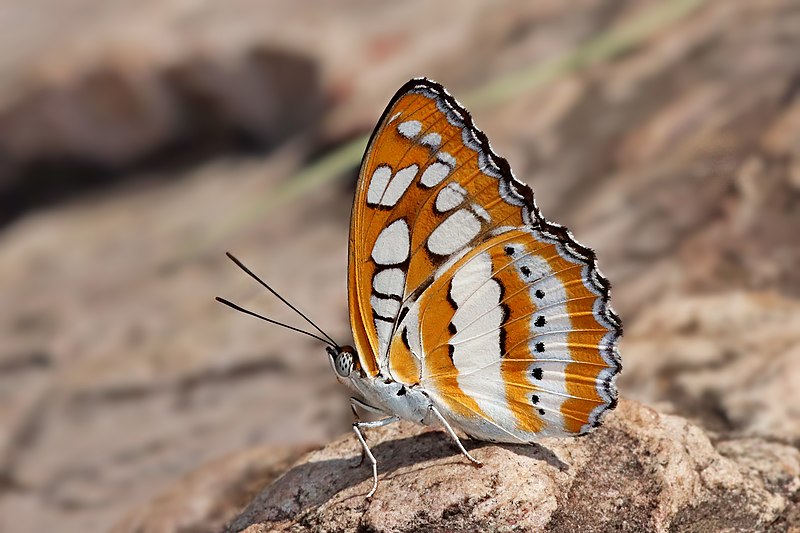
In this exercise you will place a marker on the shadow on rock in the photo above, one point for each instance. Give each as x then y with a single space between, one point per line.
314 483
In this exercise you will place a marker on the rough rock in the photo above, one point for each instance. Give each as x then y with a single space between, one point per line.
642 471
119 375
80 134
209 497
729 361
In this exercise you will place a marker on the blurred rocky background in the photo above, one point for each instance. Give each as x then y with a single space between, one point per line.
140 140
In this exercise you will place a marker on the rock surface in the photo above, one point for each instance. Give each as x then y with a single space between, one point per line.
641 471
730 361
106 400
82 134
205 500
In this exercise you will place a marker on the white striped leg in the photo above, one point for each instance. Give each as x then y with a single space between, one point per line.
357 429
449 429
355 402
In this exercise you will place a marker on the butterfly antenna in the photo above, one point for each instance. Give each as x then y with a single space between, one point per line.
281 298
287 326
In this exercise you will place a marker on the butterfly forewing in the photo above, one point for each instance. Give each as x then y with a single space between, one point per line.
458 285
427 189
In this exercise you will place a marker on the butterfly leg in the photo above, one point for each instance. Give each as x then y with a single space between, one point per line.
449 429
365 449
355 402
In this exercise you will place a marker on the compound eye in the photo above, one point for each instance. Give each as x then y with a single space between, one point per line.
344 363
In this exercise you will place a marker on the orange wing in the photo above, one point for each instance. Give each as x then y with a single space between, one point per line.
458 285
400 230
518 338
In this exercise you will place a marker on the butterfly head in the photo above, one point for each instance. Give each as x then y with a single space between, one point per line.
343 360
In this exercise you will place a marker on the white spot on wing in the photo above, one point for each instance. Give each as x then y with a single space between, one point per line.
377 184
446 158
392 245
432 139
477 297
499 230
481 212
454 233
450 197
389 281
536 268
385 307
398 185
409 128
384 331
434 174
556 346
410 324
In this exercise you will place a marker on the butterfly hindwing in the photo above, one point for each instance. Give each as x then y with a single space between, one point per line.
459 286
518 333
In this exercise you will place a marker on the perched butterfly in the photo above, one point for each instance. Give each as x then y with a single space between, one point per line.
468 308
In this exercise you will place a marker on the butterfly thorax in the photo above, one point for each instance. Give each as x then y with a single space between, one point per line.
408 402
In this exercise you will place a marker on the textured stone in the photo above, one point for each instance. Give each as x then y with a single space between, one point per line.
60 139
119 373
729 361
642 471
206 499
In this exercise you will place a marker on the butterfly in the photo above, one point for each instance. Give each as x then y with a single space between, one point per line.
469 310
